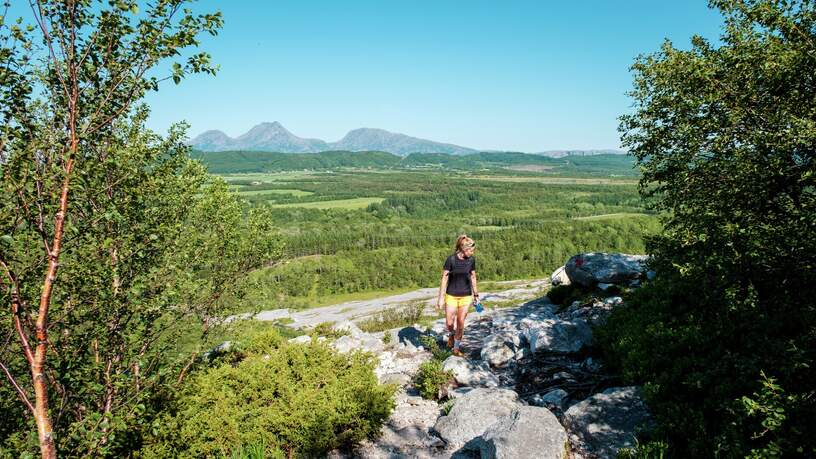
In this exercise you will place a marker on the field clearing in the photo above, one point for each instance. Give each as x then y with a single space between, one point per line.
553 180
268 177
531 168
291 192
616 215
356 203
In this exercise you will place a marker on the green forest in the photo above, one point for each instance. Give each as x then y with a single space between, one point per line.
525 224
121 250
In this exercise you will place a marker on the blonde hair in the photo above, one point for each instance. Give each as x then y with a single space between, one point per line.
464 242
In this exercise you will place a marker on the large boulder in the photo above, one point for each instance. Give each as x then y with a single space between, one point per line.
558 336
589 269
528 431
467 373
498 349
472 413
606 422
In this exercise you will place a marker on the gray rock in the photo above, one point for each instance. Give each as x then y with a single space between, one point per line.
346 344
613 301
495 350
608 421
591 365
588 269
349 327
459 392
223 347
604 286
473 413
469 373
559 336
303 339
555 398
370 344
559 277
397 379
528 431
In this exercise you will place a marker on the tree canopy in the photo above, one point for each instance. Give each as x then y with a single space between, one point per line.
725 136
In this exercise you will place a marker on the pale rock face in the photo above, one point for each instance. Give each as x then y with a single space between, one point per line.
496 351
554 398
606 422
303 339
473 413
469 373
559 336
528 431
559 277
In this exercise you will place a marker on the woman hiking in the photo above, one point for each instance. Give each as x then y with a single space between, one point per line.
458 290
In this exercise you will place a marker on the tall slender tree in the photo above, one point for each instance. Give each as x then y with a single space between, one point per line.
68 80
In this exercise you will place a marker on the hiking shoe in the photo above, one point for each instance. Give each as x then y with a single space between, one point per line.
450 341
458 353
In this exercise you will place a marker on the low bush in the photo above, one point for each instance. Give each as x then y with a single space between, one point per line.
432 345
431 378
295 400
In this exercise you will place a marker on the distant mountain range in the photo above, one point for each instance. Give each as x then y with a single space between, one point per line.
273 137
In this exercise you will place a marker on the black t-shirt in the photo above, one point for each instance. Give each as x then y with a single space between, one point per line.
459 275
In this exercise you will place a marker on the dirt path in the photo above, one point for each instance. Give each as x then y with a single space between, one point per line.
357 310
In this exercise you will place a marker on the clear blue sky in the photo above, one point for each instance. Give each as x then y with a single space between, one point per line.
505 75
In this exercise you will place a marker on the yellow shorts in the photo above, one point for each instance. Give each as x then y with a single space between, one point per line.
458 301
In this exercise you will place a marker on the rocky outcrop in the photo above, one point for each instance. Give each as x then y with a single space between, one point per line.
606 422
527 387
589 269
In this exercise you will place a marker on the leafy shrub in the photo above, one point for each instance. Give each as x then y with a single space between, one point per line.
304 400
431 378
649 450
432 345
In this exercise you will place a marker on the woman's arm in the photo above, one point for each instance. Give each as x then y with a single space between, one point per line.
440 301
473 287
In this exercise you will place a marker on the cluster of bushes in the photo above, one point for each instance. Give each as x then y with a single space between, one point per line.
288 400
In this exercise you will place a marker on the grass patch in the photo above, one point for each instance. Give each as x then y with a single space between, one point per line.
617 215
291 192
396 317
356 203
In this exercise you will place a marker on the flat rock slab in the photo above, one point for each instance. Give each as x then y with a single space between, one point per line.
528 431
558 336
470 373
472 413
602 424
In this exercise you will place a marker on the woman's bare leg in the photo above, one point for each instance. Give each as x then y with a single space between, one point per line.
461 315
450 320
